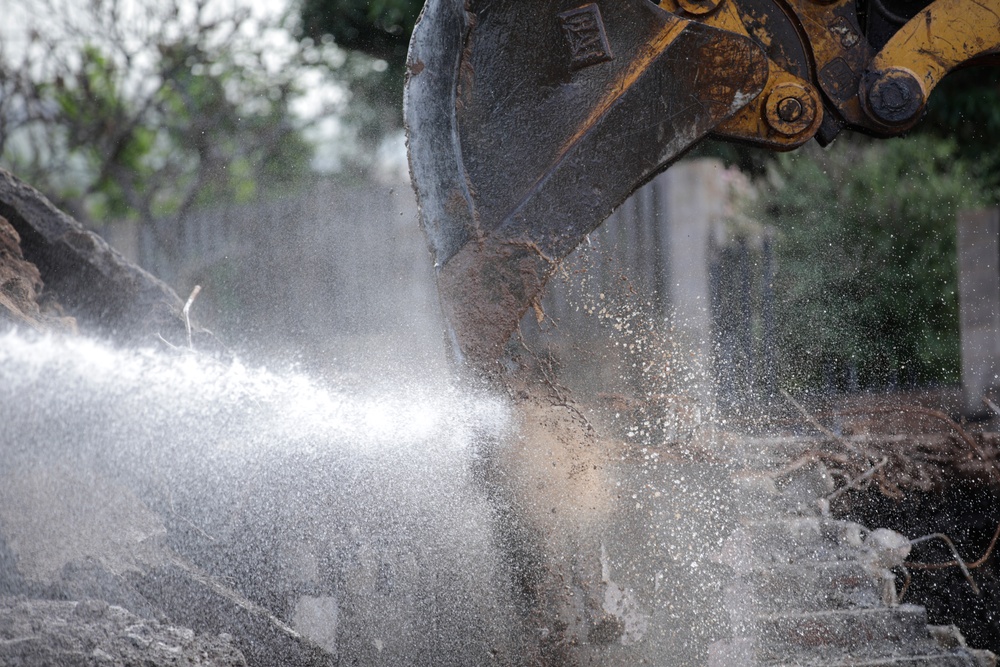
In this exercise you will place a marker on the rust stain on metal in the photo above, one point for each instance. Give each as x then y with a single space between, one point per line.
455 204
466 75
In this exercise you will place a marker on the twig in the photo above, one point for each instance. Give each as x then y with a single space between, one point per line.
906 583
822 429
887 487
952 563
936 414
991 405
811 456
187 313
169 344
857 480
958 559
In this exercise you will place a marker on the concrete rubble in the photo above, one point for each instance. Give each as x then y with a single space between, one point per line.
94 633
54 274
68 537
812 590
86 574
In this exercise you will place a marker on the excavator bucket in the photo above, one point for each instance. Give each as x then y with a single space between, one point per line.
529 122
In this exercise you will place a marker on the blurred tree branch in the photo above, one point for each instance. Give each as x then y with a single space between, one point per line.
373 29
380 28
145 109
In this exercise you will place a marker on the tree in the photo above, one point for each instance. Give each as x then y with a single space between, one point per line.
866 279
146 109
369 29
379 28
965 108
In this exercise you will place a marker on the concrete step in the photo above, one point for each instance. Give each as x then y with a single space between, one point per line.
808 592
793 540
740 653
824 586
766 496
875 633
958 658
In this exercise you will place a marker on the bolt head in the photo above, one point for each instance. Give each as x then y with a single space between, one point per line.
895 96
790 109
699 7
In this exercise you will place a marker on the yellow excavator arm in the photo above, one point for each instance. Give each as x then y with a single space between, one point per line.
530 121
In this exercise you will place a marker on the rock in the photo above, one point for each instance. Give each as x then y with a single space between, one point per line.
70 533
887 548
187 595
55 517
107 294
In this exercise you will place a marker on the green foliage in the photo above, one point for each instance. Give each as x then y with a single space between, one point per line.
866 259
91 106
965 107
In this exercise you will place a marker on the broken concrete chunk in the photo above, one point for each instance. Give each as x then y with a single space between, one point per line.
70 533
54 517
106 293
41 633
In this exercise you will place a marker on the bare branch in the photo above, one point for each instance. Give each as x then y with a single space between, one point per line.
934 414
958 559
954 563
822 429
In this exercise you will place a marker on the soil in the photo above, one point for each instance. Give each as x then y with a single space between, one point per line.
21 288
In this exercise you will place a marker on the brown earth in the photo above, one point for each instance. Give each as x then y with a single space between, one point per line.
22 299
